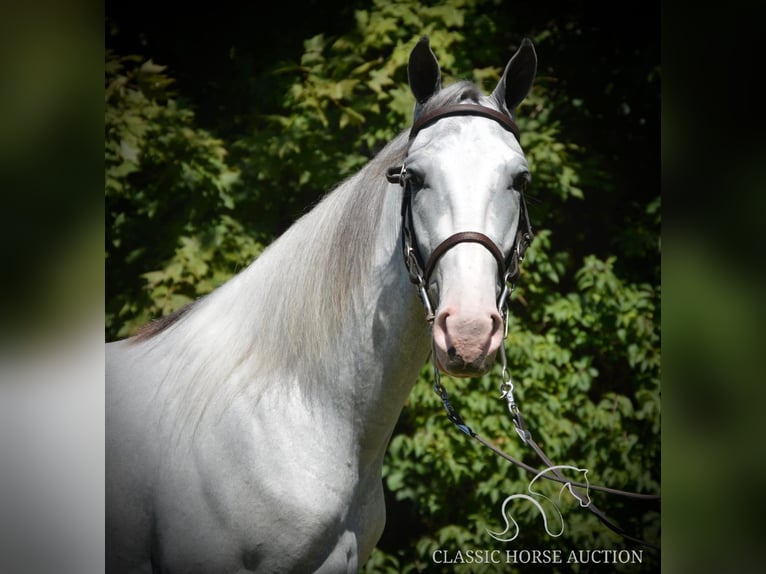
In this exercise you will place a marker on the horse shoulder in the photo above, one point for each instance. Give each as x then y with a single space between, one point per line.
132 456
256 493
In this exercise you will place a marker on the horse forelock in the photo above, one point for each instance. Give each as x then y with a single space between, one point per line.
459 92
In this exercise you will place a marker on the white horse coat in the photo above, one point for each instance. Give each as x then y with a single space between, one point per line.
247 433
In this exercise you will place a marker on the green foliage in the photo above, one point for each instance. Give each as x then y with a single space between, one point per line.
171 234
348 98
186 211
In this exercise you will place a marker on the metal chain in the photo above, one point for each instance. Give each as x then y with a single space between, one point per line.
506 383
506 392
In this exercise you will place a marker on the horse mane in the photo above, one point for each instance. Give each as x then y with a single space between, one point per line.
159 325
360 212
340 235
279 319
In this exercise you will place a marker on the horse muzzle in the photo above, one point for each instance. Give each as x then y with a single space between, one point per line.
465 343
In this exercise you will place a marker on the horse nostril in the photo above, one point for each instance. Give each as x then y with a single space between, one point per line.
497 322
451 352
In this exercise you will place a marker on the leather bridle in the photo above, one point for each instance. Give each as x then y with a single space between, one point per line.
420 271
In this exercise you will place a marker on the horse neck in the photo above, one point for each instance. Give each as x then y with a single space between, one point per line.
363 379
364 337
325 314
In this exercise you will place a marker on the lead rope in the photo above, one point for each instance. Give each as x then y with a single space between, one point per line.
506 393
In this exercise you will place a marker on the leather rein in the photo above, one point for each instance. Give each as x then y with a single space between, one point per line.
420 271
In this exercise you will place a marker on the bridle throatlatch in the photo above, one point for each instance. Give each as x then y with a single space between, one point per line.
420 271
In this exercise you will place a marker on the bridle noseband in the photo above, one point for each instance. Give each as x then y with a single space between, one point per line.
420 271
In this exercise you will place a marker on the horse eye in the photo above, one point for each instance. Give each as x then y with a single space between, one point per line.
521 181
415 179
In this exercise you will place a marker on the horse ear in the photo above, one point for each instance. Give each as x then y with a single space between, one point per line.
423 72
517 79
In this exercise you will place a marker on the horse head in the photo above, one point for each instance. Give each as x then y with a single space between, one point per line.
463 213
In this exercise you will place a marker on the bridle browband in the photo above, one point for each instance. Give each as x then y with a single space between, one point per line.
420 272
419 269
464 110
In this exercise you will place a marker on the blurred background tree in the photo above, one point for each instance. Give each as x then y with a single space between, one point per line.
222 128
